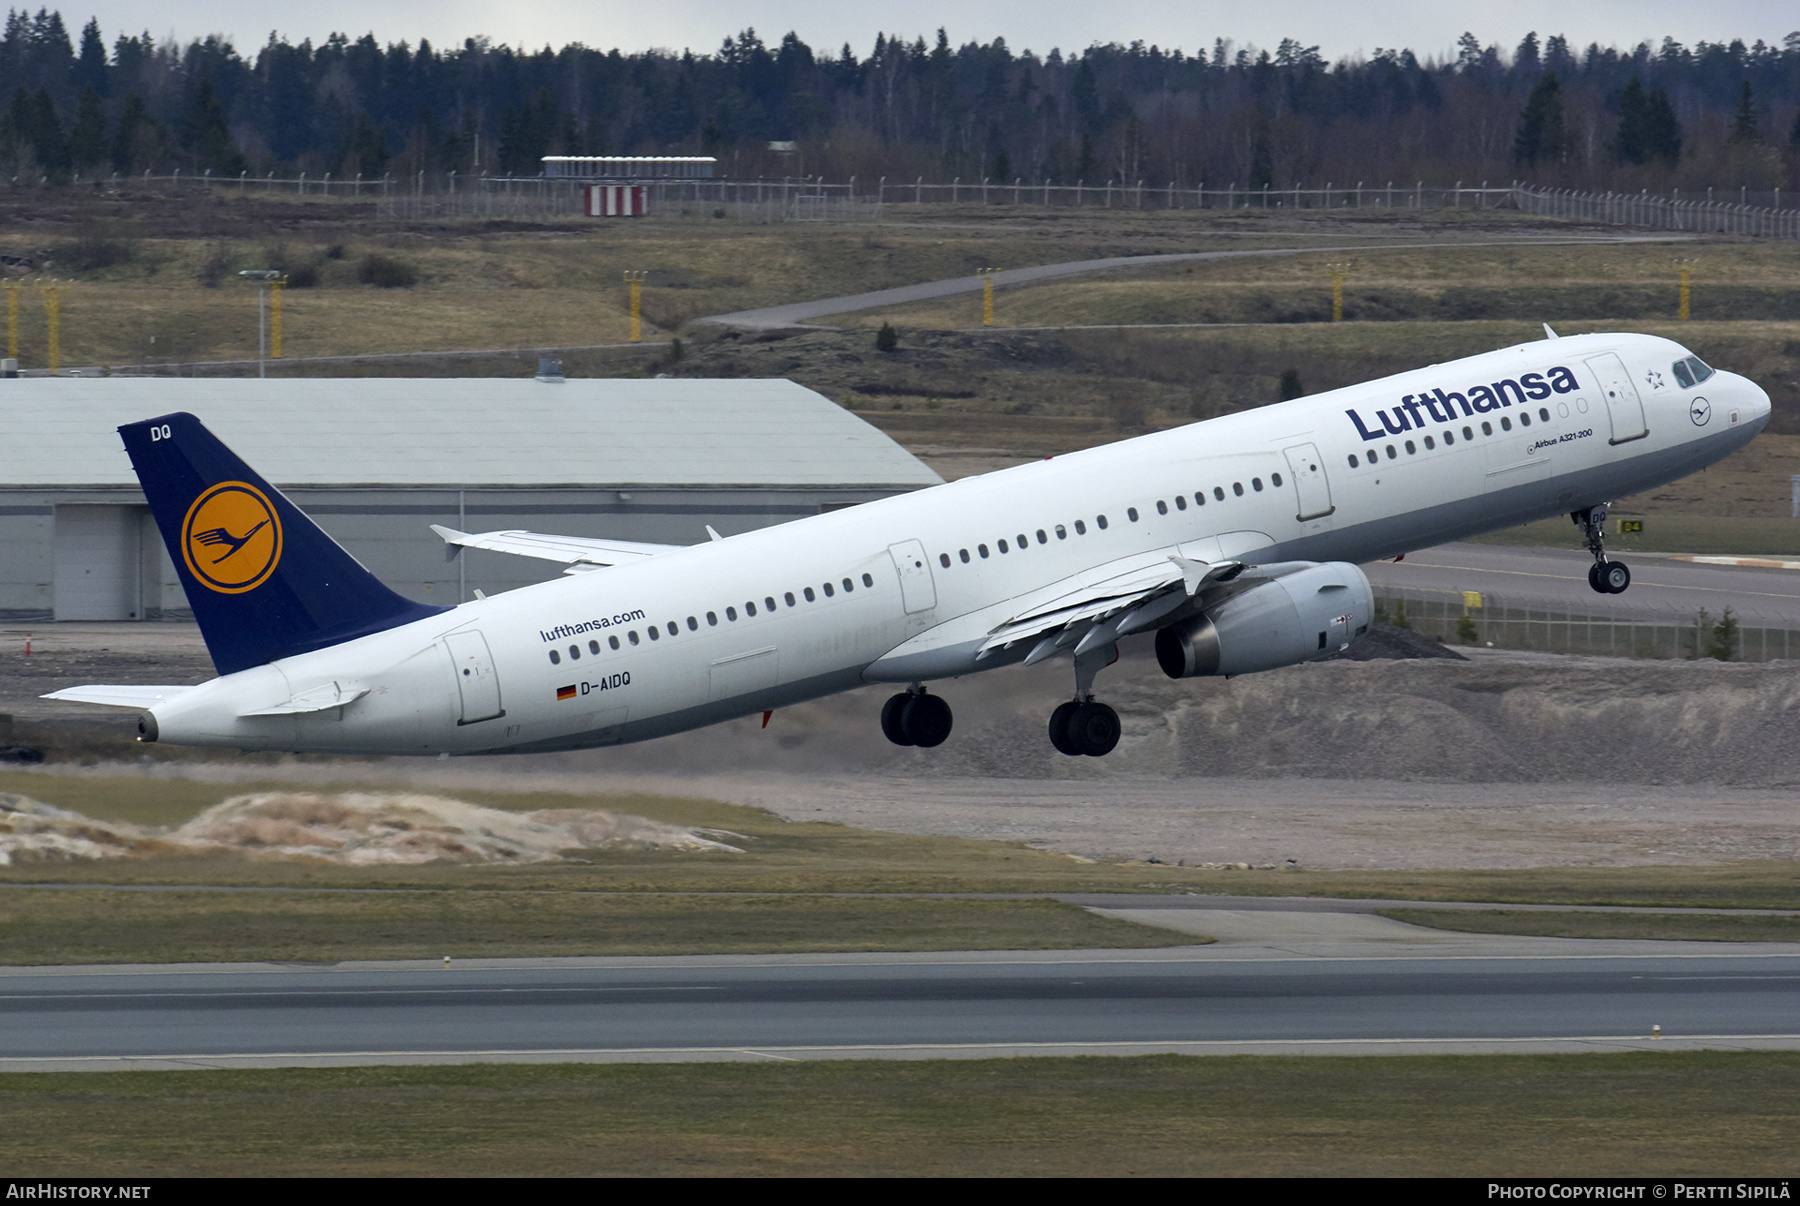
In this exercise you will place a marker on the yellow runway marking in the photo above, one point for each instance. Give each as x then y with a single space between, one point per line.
1469 569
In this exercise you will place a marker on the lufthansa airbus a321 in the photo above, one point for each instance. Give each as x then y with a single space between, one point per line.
1235 541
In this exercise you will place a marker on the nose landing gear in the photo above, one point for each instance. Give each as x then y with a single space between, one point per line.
1606 577
916 718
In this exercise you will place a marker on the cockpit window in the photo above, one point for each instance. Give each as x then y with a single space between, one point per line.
1700 369
1682 375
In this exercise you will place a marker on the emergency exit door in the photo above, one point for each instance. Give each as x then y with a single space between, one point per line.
1623 405
476 680
1310 483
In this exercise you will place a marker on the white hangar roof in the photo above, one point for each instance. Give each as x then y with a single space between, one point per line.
408 432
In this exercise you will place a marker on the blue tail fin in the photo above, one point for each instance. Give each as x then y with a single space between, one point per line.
265 581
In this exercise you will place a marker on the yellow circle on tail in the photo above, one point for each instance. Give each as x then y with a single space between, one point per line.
231 538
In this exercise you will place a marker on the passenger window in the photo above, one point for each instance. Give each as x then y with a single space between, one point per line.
1022 541
1218 493
868 581
1200 498
1524 418
1392 454
1001 545
1487 428
1411 448
943 559
654 634
1428 444
555 658
693 624
1080 528
1042 539
1505 424
1100 521
1237 488
1682 376
674 628
712 621
788 598
963 553
1353 460
980 548
731 614
574 653
1162 508
769 603
849 586
1449 438
632 637
808 592
1275 479
1062 533
1131 514
594 648
1256 484
1181 502
829 592
613 641
1544 413
1467 434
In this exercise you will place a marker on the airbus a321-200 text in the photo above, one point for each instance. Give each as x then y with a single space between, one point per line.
1235 540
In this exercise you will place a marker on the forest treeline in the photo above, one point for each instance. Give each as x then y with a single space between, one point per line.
1715 114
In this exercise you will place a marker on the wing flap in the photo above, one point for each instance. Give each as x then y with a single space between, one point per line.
570 550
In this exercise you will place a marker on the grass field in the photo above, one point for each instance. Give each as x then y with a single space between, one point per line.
1687 927
1612 1115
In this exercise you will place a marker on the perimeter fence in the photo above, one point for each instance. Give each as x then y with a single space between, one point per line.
1489 620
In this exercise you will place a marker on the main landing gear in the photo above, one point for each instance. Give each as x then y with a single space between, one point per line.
1606 577
1084 726
916 718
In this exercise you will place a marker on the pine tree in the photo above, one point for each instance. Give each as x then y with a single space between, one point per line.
1743 122
134 116
1664 129
90 67
1540 135
206 137
47 136
1633 141
88 147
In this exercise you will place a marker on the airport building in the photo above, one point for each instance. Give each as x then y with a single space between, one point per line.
376 461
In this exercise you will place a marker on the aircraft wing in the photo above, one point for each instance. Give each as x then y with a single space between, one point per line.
570 550
1108 602
119 696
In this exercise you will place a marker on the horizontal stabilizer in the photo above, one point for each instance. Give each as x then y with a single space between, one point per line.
118 697
570 550
316 699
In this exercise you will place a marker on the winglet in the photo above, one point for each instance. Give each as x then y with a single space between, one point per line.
453 541
713 534
1550 333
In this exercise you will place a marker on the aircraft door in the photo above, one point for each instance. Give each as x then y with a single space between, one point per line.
917 590
476 678
1623 405
1308 470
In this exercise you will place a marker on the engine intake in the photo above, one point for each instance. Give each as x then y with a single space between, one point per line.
1292 619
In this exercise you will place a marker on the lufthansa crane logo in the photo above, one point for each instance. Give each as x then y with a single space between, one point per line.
231 538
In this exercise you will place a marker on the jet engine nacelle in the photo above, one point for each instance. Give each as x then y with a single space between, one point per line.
1295 618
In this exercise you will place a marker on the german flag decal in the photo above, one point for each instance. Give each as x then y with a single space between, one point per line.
567 692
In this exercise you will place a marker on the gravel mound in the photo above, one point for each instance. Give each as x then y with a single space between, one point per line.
1385 642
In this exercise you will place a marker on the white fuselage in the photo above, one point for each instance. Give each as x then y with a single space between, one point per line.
742 625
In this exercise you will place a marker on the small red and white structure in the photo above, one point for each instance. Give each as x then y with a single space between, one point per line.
615 200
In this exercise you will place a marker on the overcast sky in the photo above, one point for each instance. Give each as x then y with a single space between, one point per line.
1429 27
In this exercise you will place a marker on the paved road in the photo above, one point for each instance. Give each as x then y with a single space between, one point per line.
1661 588
1297 981
797 313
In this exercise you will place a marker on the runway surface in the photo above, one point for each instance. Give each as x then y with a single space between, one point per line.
1295 980
1661 587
